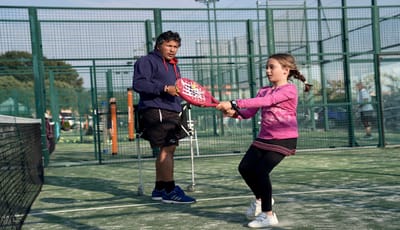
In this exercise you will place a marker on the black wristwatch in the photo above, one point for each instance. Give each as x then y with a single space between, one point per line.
234 105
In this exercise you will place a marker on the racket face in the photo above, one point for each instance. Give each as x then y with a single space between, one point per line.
194 93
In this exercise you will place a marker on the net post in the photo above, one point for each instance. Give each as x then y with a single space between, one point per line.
114 131
131 116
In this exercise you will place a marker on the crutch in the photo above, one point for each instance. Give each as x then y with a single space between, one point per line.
133 118
139 158
189 132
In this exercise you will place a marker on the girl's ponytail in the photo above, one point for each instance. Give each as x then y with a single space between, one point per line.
296 74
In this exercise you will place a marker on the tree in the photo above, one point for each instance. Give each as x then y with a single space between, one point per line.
336 91
19 65
64 73
17 80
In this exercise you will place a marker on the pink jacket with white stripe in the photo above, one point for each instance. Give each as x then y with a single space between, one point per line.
278 111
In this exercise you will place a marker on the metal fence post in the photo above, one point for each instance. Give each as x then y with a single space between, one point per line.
251 70
38 74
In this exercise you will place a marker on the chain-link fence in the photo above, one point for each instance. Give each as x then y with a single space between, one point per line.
71 61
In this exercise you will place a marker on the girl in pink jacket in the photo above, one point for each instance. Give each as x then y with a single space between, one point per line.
277 137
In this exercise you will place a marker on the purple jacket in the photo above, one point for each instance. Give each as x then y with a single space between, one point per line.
151 73
278 111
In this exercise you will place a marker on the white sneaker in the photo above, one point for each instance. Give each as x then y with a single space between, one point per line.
255 209
263 220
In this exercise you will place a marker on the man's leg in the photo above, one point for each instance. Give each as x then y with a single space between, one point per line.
165 164
165 175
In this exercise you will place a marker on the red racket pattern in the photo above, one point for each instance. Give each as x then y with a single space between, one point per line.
194 93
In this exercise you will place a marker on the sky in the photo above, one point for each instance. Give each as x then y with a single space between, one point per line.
183 3
178 3
130 3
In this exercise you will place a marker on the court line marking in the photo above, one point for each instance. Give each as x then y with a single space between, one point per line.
371 189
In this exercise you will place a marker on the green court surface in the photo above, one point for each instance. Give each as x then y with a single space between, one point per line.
321 189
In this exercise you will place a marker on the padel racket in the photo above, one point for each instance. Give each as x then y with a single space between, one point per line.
194 93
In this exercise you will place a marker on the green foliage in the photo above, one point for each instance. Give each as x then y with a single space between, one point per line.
8 82
64 73
17 80
336 91
19 65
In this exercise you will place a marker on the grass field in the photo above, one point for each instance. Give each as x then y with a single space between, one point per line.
336 189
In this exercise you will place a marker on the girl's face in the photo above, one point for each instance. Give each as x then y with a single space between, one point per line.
168 49
276 73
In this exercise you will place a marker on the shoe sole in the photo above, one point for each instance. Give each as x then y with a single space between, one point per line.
262 226
177 202
251 217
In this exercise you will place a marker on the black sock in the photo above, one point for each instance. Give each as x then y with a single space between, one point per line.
160 185
169 186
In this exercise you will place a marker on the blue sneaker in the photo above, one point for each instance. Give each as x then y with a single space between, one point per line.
177 196
157 194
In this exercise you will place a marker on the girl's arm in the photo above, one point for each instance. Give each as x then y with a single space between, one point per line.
267 98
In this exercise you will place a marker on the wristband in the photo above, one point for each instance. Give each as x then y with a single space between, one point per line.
236 108
234 105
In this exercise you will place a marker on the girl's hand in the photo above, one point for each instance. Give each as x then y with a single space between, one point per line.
230 113
224 106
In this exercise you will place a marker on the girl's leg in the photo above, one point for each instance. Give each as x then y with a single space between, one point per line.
271 160
255 168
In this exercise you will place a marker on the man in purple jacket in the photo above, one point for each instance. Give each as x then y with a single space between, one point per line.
159 112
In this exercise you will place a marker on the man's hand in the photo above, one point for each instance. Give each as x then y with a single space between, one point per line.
171 90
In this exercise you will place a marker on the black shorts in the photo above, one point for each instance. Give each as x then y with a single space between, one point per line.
161 127
367 117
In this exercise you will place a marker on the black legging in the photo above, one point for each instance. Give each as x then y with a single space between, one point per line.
255 168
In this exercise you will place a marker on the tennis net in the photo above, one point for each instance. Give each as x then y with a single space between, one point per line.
21 168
